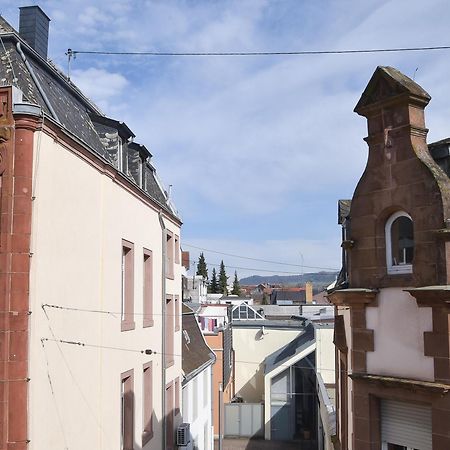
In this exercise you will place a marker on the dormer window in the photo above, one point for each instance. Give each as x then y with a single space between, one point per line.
399 243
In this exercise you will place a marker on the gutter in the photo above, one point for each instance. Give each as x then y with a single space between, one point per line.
200 369
163 327
36 81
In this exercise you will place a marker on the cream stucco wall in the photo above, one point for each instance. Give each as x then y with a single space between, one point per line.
251 347
197 409
325 352
399 325
80 217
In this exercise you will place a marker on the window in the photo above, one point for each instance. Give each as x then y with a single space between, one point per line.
147 404
399 243
177 313
245 312
169 255
127 296
177 250
169 356
148 288
127 411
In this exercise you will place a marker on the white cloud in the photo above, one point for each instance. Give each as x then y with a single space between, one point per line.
99 85
257 139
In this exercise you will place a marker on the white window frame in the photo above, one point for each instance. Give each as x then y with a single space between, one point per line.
391 268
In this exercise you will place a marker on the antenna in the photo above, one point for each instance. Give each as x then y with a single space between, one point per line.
414 76
70 54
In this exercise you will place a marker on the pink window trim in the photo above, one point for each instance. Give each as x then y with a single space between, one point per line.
148 288
170 331
177 249
177 313
169 255
147 403
127 381
127 322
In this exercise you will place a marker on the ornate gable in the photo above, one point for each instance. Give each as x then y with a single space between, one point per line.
388 83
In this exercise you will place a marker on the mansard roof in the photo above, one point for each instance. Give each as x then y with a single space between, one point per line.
41 83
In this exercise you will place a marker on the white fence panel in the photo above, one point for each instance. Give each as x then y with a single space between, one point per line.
244 419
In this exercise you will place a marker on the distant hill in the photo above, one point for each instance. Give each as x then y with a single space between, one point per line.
319 279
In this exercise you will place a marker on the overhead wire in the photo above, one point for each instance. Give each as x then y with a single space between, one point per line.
156 352
256 259
99 425
73 53
58 413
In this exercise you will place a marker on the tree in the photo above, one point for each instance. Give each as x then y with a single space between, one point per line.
213 285
201 267
265 300
236 287
223 280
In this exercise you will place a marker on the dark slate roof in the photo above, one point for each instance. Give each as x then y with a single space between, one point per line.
343 210
5 27
72 109
196 355
297 345
287 295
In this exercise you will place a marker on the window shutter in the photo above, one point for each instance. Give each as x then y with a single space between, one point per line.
406 424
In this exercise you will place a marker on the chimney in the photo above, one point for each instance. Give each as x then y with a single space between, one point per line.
33 28
185 260
309 292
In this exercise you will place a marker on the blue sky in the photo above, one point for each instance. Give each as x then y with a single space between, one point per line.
258 149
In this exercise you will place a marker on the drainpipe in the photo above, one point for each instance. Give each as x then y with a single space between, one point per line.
163 348
36 81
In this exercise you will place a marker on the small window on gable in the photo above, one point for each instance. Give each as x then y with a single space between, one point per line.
399 243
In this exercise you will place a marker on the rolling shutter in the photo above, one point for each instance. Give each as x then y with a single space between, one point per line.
406 424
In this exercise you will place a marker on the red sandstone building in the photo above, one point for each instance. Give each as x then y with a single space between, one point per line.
393 295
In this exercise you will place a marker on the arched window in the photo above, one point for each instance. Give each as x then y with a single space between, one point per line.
399 243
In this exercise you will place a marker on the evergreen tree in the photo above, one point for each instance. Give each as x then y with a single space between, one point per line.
236 287
201 267
213 285
223 280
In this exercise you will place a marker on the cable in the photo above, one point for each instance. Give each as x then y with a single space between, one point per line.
263 53
58 413
252 269
99 425
256 259
116 315
83 344
154 352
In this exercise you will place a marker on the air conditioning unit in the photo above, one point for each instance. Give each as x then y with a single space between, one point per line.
183 435
186 447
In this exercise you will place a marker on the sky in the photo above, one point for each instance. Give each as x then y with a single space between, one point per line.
258 150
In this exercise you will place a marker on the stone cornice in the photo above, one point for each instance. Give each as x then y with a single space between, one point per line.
405 383
431 295
353 297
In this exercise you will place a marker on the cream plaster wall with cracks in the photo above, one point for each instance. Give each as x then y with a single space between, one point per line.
79 220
